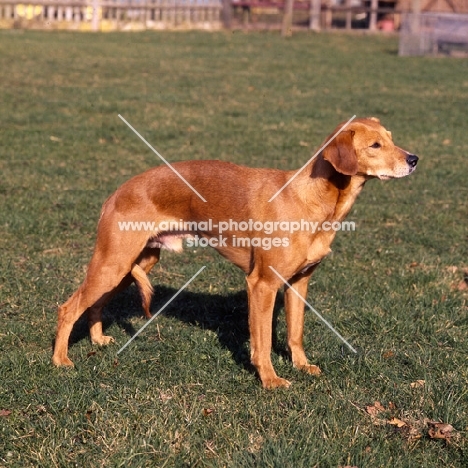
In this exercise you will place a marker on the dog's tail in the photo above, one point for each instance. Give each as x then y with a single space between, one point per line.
145 287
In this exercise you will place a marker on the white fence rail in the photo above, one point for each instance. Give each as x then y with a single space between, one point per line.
108 15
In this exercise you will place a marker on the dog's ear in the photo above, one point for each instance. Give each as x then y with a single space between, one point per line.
341 155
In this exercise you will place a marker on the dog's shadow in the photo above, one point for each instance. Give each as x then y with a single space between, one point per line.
225 315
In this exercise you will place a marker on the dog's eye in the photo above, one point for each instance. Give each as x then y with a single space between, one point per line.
376 145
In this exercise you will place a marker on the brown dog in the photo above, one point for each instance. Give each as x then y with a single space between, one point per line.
237 206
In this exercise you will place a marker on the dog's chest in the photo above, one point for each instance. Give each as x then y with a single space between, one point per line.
319 247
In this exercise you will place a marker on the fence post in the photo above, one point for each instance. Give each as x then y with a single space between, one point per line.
349 15
95 19
287 18
227 14
373 15
314 18
416 12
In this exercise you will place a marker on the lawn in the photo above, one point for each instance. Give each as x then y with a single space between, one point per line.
183 393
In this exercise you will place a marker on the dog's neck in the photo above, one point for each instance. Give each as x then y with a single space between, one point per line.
328 188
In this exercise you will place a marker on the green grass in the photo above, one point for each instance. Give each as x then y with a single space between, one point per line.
183 394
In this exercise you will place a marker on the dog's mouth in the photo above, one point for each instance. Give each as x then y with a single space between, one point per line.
402 171
398 175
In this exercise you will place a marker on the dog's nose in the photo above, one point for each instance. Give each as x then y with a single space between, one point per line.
412 160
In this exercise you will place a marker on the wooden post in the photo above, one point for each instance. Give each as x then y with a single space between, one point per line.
328 17
373 15
227 14
95 19
287 18
245 16
415 14
315 13
349 16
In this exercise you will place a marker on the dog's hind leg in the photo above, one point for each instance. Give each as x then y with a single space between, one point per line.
97 288
107 270
147 259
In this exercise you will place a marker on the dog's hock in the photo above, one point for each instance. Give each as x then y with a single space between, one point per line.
340 153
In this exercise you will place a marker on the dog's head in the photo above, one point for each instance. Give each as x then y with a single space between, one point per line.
366 148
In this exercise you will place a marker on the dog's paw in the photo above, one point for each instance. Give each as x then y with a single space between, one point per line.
62 362
275 382
103 340
311 369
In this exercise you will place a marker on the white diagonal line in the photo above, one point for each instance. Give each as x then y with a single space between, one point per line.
312 158
314 311
161 309
164 160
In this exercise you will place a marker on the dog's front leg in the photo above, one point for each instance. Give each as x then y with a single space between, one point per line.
261 302
295 323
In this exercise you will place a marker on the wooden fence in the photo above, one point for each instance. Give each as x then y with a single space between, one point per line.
108 15
322 14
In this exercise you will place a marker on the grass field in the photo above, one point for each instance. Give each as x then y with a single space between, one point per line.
183 393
